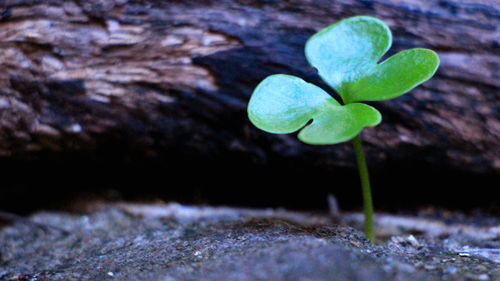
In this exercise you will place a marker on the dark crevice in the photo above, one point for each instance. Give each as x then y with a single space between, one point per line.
53 181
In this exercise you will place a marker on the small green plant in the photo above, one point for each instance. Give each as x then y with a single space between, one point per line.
346 55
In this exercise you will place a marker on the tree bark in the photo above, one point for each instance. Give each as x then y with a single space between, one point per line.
157 77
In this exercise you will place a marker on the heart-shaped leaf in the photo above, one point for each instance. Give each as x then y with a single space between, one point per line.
346 55
284 104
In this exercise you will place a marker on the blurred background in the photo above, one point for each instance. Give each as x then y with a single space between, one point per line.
146 101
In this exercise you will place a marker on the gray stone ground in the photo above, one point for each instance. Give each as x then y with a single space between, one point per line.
174 242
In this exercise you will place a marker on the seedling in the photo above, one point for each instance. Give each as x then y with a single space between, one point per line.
345 55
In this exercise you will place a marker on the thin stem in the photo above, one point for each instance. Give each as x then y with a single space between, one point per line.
365 185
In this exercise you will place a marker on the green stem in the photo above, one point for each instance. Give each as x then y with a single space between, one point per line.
365 185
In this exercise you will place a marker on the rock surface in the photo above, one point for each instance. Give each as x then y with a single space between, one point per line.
176 242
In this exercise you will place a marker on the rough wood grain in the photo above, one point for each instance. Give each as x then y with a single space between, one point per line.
160 77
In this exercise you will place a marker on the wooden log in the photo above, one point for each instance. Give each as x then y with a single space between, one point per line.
158 78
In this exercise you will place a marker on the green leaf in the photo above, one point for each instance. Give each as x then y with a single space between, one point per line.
346 55
284 104
394 77
345 50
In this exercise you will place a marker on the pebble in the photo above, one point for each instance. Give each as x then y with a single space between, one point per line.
429 267
451 270
483 277
387 268
413 241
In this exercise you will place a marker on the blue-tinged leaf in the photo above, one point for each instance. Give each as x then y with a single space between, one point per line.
285 104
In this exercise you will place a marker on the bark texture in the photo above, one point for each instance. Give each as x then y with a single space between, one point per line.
156 77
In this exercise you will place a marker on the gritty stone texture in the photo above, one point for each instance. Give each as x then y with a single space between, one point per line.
174 242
